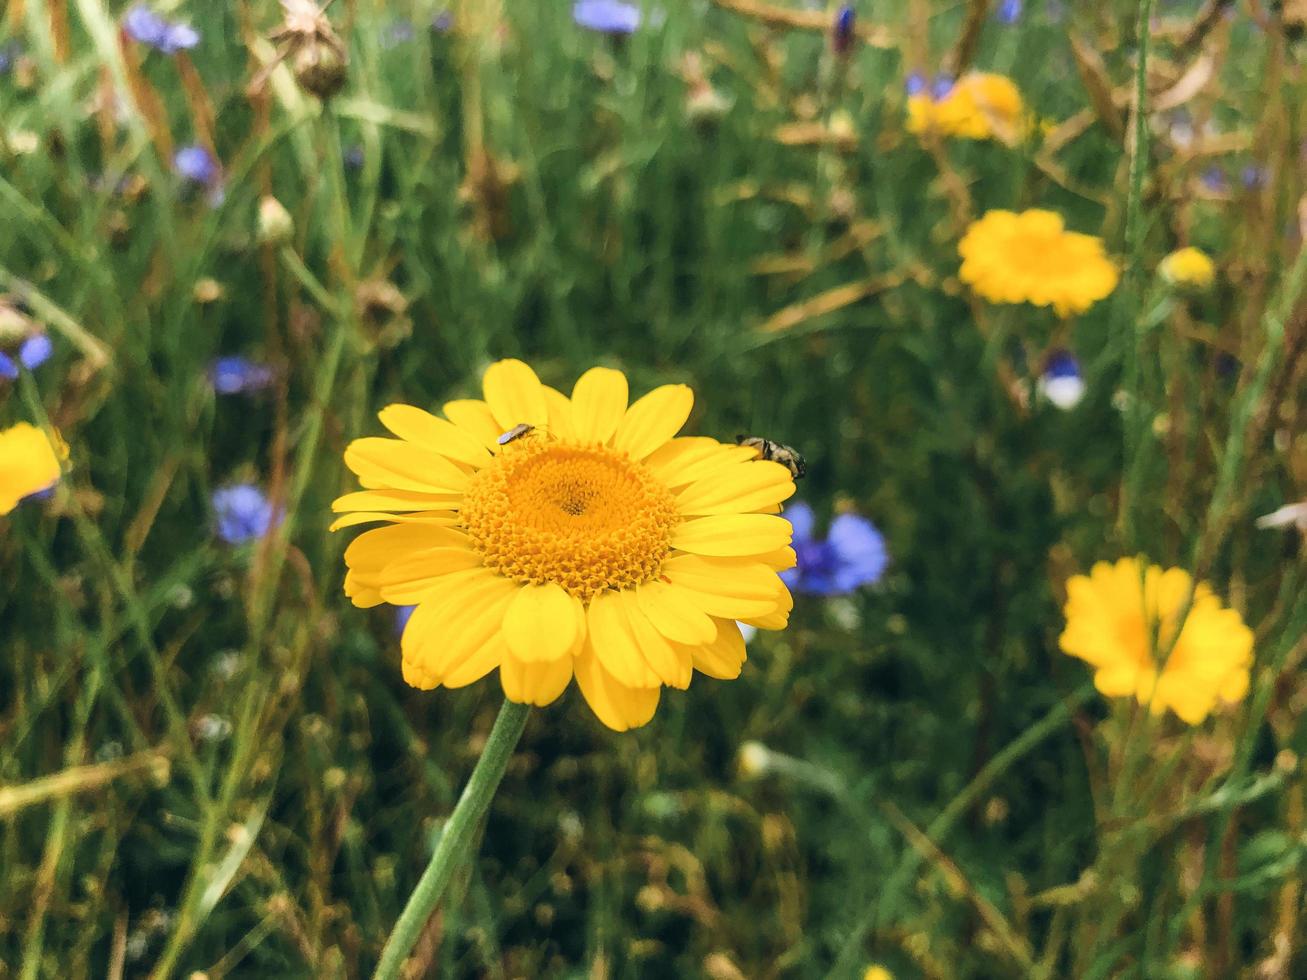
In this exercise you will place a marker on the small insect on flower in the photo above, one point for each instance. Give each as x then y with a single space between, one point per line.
515 433
787 456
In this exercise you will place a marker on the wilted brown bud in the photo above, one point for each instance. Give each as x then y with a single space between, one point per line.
315 51
383 312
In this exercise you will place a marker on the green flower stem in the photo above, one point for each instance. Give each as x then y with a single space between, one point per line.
455 838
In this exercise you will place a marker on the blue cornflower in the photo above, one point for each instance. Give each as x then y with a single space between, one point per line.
239 376
144 25
852 554
32 353
1009 11
915 83
196 164
841 36
243 513
442 22
1253 177
606 16
1061 383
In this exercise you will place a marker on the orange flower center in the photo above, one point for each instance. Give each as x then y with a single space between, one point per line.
586 518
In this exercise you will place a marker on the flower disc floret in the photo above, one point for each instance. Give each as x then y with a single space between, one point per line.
585 518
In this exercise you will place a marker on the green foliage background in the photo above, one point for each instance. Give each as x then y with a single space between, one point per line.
264 788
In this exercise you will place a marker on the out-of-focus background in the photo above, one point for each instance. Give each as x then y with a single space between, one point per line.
242 234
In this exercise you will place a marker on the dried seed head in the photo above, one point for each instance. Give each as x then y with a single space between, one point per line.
315 51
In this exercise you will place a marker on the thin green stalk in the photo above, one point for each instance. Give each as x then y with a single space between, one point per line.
950 816
455 839
1128 332
93 540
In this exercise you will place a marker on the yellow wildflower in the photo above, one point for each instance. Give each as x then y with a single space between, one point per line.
1118 618
979 106
29 463
1188 267
553 537
1030 257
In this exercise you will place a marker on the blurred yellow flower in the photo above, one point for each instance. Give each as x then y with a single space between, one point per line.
554 537
1112 617
979 106
1011 257
28 463
877 972
1188 267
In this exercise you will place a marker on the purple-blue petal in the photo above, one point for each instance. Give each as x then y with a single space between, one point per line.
606 16
1062 364
239 375
402 615
8 369
196 164
801 519
243 513
35 351
178 37
859 548
144 25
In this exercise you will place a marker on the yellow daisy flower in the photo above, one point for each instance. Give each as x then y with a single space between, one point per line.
29 463
555 537
1188 267
979 106
1030 257
1112 617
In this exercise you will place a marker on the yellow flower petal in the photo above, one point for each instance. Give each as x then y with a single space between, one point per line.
733 535
397 500
681 461
391 464
514 394
433 433
598 404
373 550
476 664
674 615
436 517
724 657
560 414
653 420
411 579
474 417
615 643
615 704
735 489
543 623
446 633
671 665
724 587
539 683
